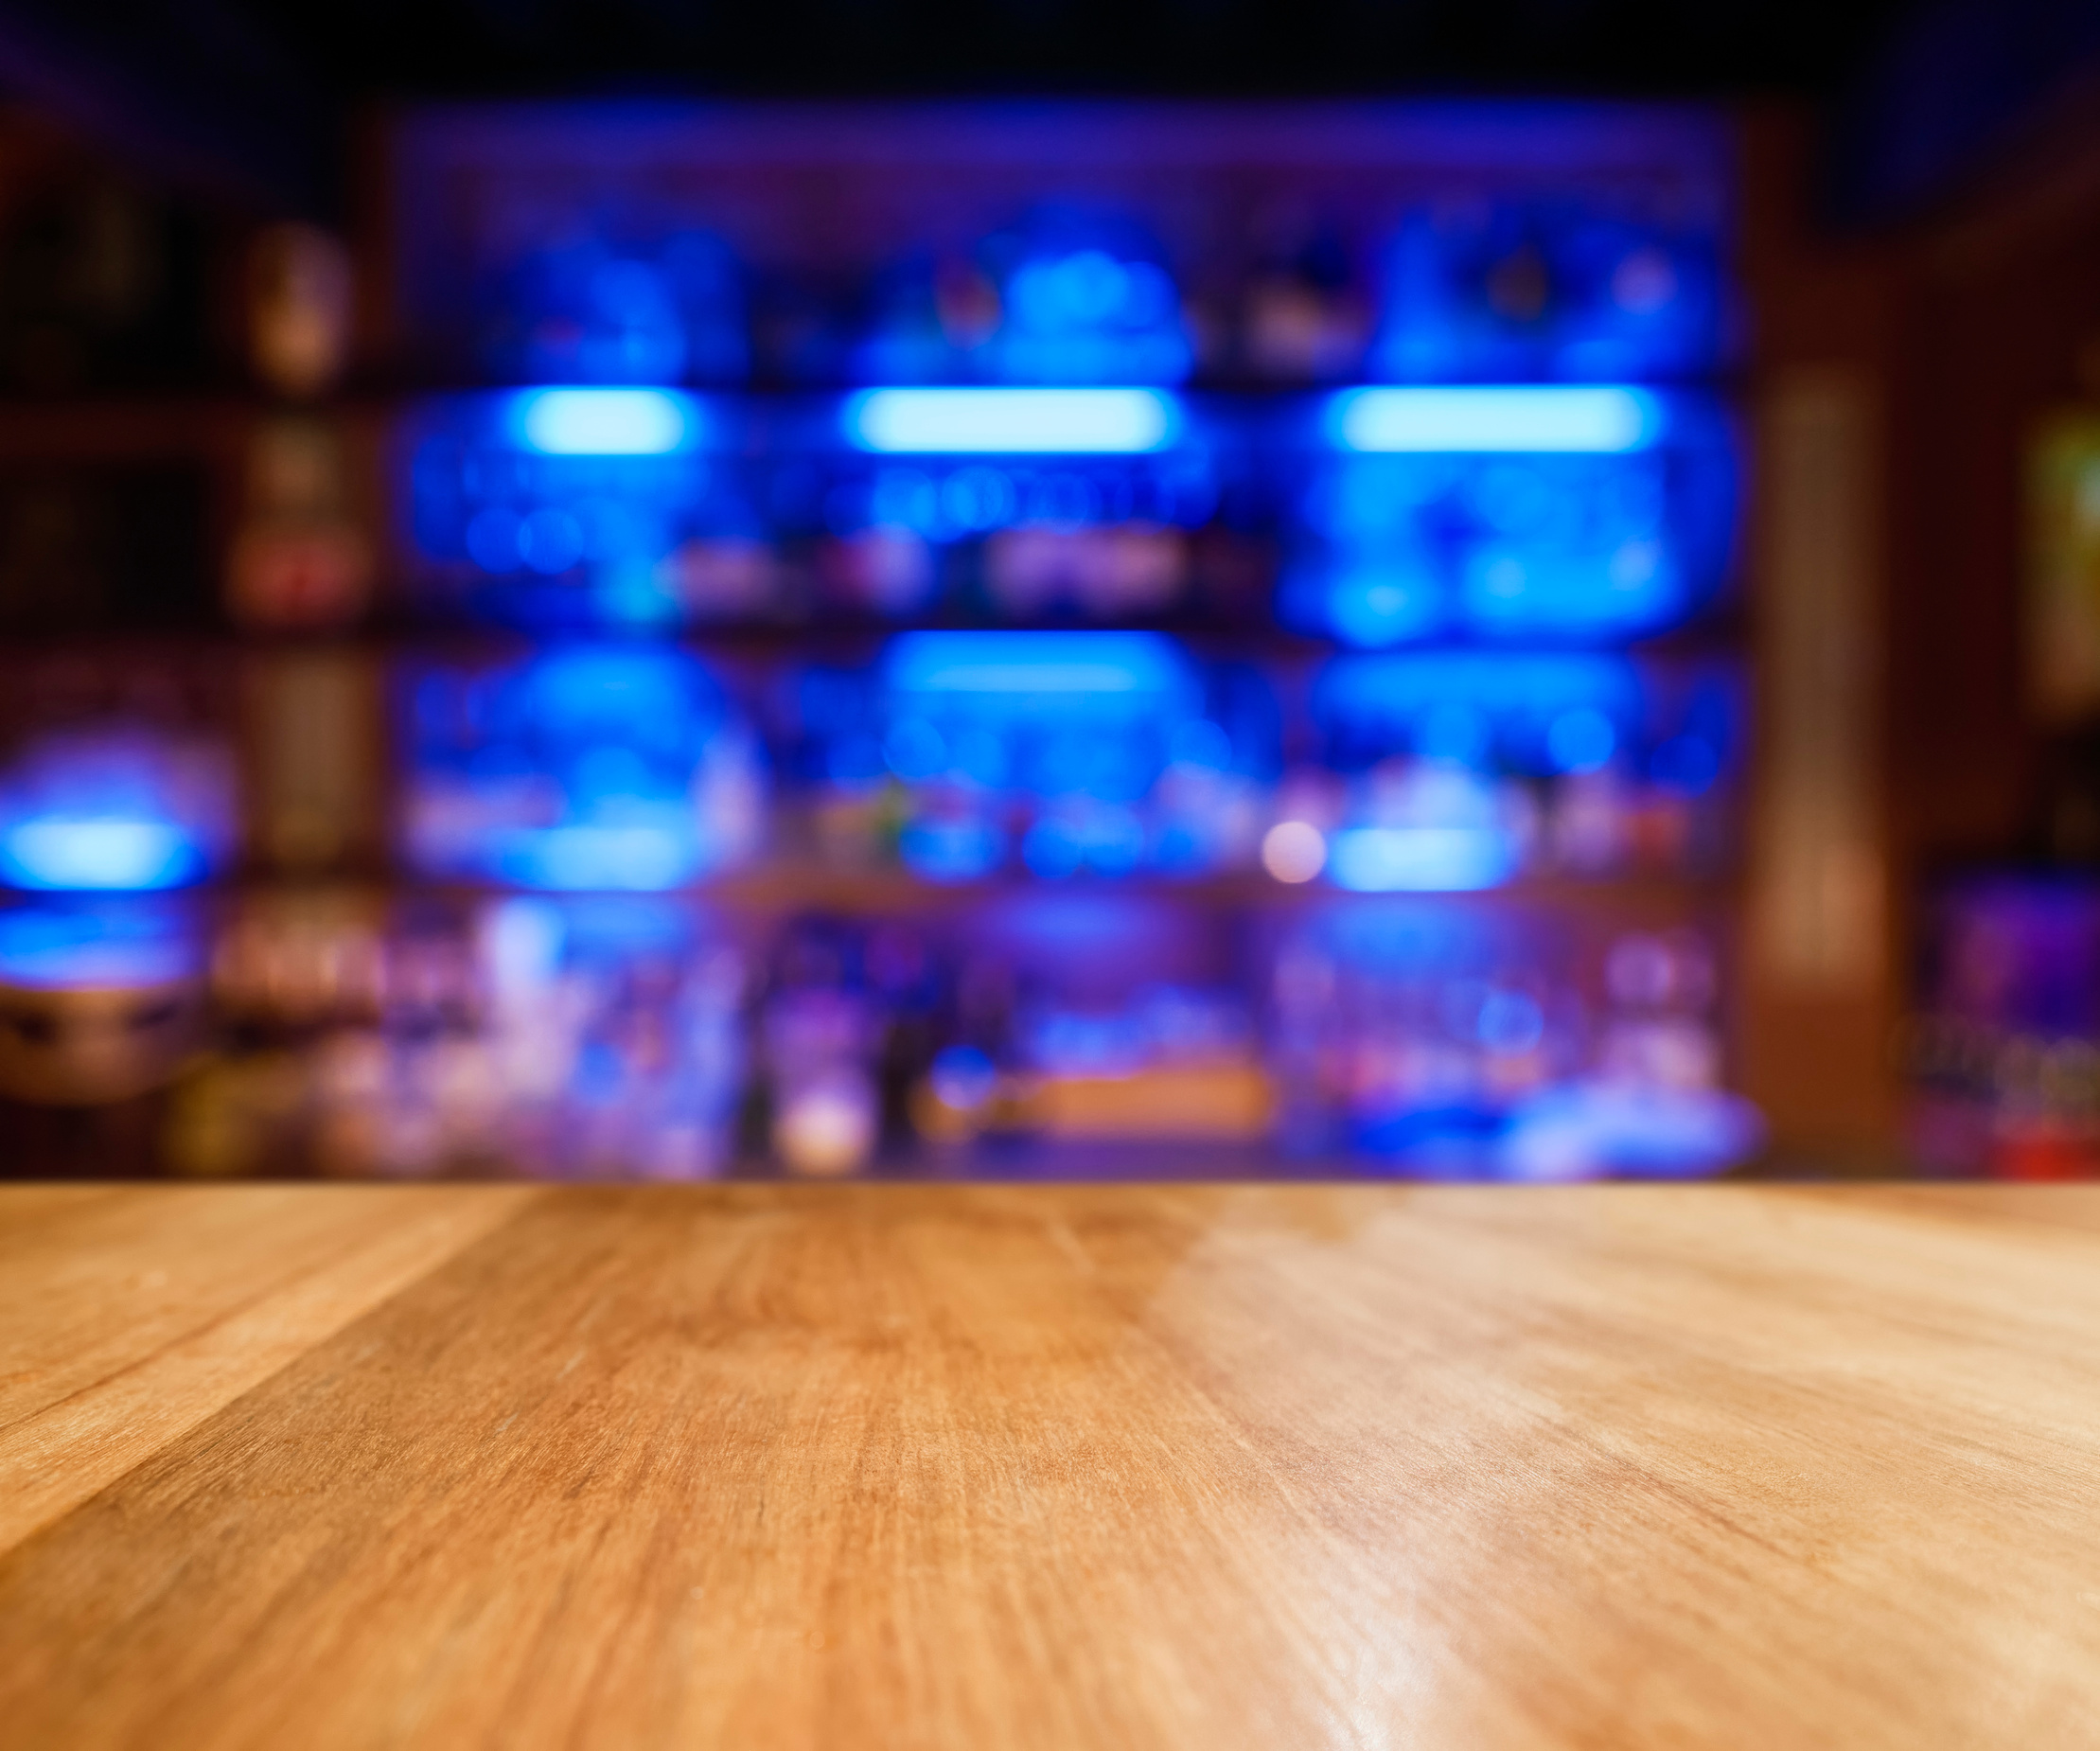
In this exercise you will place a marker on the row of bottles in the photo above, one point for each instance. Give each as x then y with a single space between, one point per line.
1515 288
1374 517
758 651
340 1033
952 755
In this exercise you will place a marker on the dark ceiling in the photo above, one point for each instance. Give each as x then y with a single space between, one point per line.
259 94
460 46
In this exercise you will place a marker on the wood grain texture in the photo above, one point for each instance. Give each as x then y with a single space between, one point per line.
1099 1466
127 1316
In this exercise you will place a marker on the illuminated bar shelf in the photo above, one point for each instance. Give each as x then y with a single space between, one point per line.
714 693
1377 516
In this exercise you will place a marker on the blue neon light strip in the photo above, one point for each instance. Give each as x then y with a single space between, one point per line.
1420 860
606 422
950 422
623 858
1594 421
1034 663
104 854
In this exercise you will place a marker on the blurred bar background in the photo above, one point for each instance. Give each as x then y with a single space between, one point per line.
815 631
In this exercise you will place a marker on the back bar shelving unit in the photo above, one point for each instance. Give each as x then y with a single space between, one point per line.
690 469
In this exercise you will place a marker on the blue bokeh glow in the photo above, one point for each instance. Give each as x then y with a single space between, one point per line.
72 945
587 767
576 508
1589 514
1530 712
1074 754
1551 289
661 310
1069 294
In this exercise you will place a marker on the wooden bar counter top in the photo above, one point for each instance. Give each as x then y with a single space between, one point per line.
947 1466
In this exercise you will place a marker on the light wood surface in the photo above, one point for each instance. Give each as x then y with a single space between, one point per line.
1109 1466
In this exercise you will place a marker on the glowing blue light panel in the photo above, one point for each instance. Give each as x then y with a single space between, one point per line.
1525 712
1045 664
608 422
1525 420
1541 714
1420 860
577 509
1571 514
610 769
97 853
1070 754
1097 422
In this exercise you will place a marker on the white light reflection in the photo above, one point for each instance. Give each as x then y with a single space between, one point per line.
1013 421
1595 419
